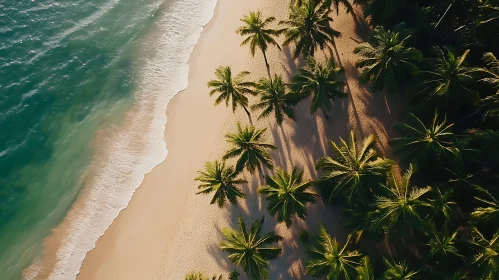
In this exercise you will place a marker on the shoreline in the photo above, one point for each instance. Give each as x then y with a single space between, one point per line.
165 216
135 134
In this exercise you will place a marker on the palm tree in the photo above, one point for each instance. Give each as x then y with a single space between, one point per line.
486 260
330 259
249 146
443 245
401 208
398 271
442 203
308 28
320 81
200 276
387 60
381 11
489 213
259 34
336 3
231 89
488 21
274 98
492 71
449 80
424 144
250 250
358 220
354 168
490 103
489 12
234 275
222 180
365 270
287 195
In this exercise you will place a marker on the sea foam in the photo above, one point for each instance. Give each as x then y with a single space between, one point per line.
163 73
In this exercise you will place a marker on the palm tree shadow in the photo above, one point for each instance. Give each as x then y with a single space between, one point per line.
293 265
291 65
219 256
382 110
279 156
346 76
362 29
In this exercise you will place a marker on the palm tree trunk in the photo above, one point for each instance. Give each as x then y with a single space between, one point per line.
443 16
268 66
249 114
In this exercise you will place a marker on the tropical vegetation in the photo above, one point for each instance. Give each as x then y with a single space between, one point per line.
321 81
439 219
274 98
220 179
287 195
387 60
354 169
232 89
331 259
251 250
308 28
259 35
249 146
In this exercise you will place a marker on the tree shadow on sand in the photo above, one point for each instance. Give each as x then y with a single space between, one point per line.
381 112
303 143
291 65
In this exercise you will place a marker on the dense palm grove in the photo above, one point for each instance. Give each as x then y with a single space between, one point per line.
439 219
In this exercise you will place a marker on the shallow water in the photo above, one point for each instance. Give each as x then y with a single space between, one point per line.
83 83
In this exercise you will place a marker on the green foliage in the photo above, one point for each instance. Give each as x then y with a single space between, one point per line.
487 143
382 10
319 80
200 276
489 211
304 237
336 4
492 70
330 259
490 104
259 34
353 169
442 204
488 21
248 145
231 89
449 82
443 245
401 209
249 249
220 179
287 195
234 275
424 145
387 60
486 259
398 271
365 271
308 28
274 98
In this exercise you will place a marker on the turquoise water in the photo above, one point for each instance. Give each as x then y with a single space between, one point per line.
66 68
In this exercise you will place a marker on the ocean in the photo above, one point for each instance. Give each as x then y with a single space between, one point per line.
84 86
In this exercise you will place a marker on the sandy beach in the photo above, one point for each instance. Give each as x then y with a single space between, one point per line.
167 230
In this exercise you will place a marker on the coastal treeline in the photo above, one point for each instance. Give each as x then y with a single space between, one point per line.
432 211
